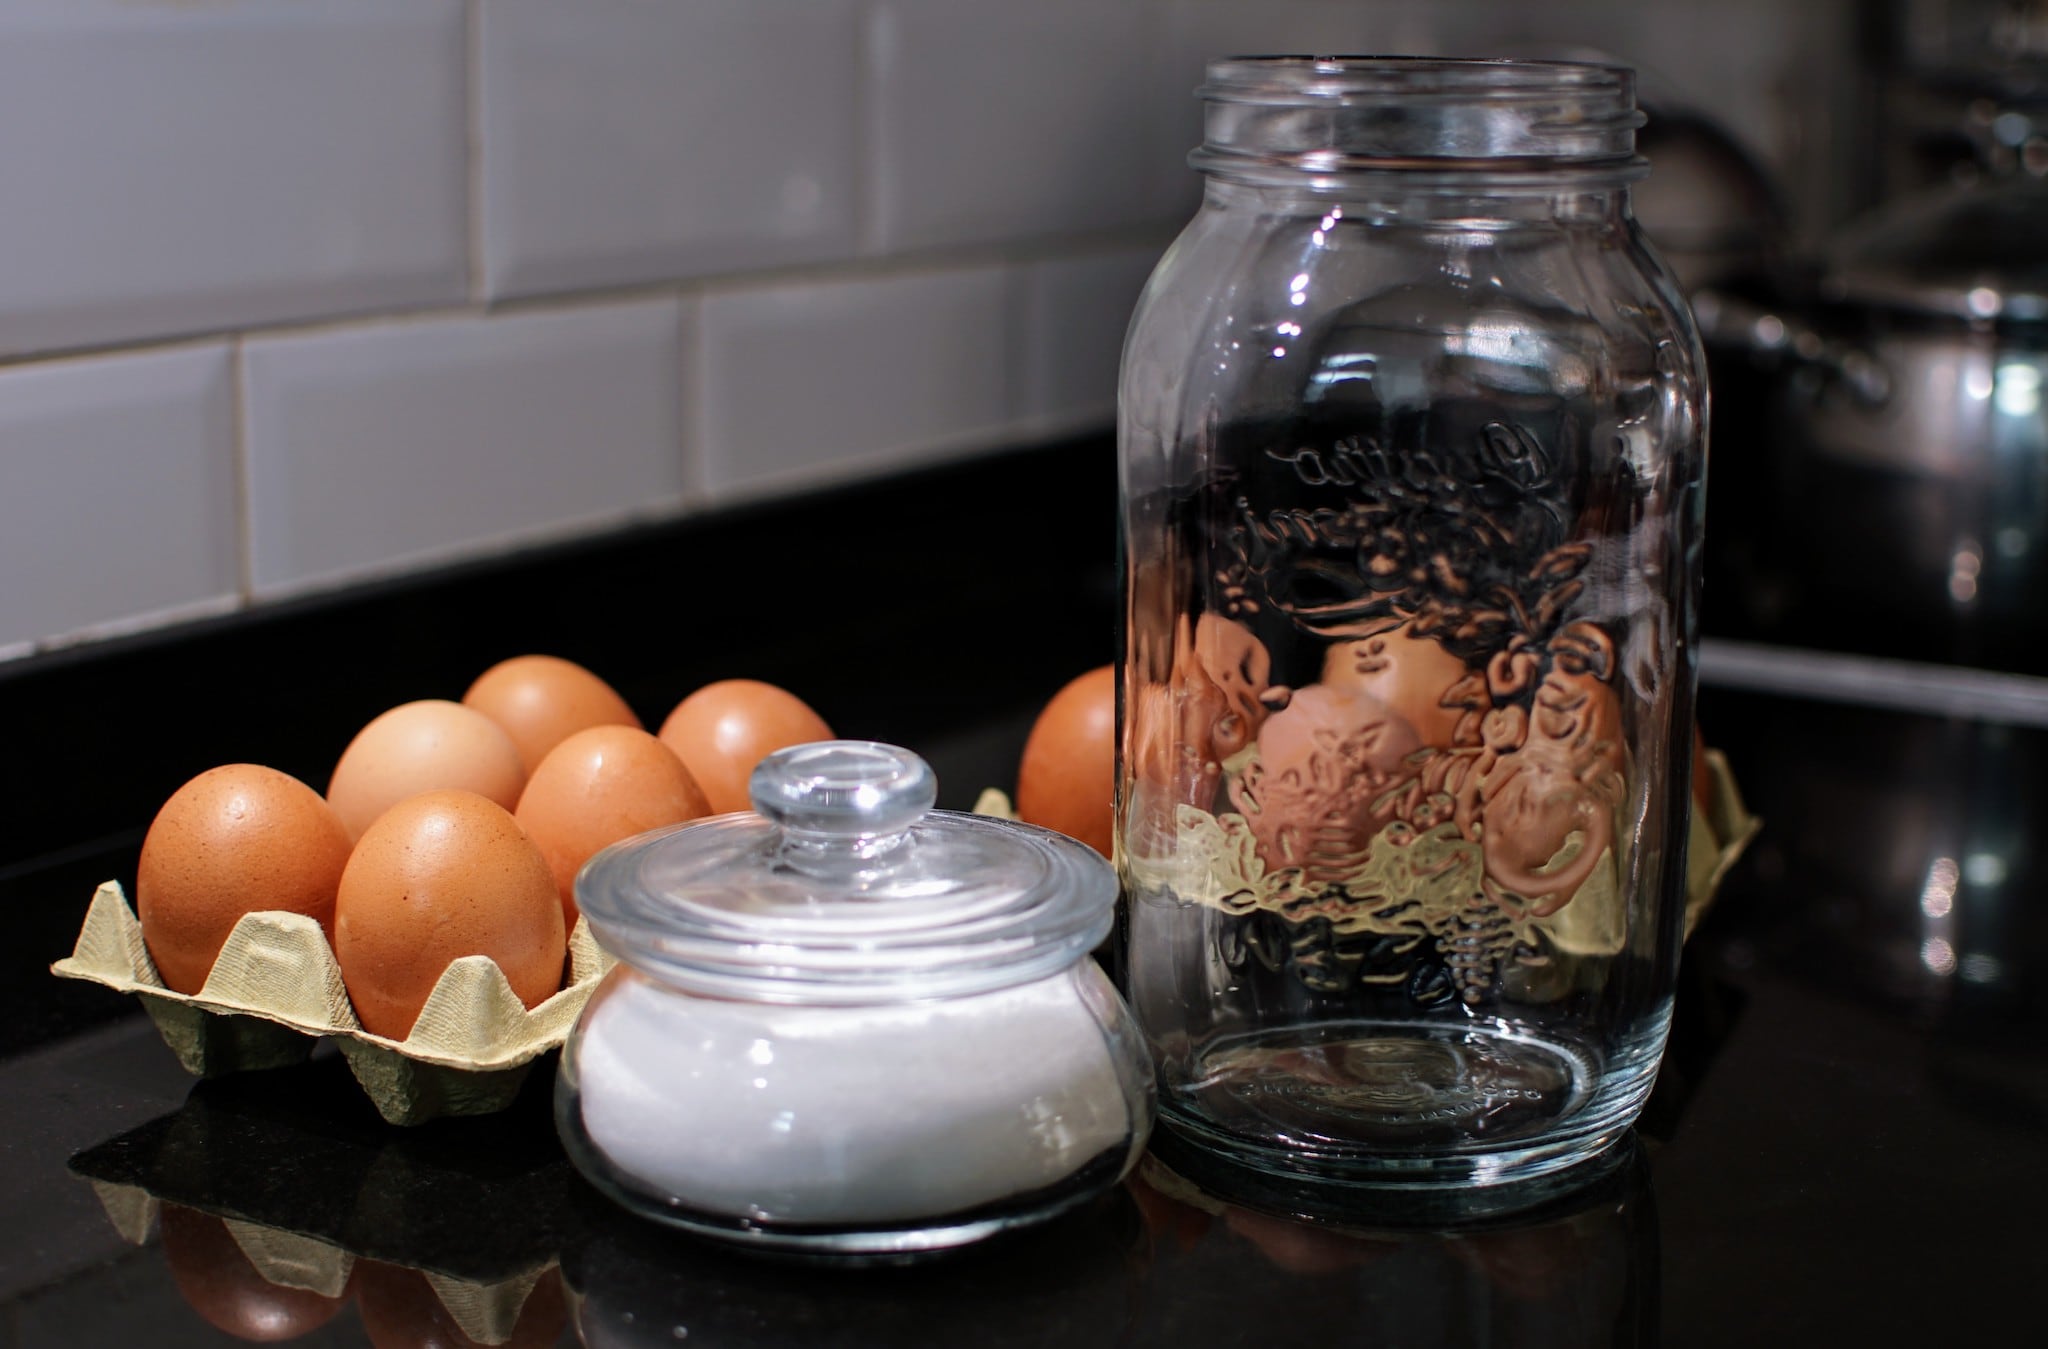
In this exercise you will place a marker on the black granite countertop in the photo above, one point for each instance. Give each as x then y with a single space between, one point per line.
1848 1143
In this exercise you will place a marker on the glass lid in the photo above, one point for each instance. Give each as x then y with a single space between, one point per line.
845 886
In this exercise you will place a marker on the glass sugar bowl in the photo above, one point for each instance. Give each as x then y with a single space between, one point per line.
849 1023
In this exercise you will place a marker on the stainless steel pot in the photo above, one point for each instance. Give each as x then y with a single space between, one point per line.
1902 451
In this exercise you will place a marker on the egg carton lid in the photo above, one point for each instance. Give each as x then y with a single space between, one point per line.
276 987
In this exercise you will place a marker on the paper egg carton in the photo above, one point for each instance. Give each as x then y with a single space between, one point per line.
276 989
1720 834
486 1311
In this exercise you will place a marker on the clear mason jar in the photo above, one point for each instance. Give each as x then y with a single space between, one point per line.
1412 434
848 1023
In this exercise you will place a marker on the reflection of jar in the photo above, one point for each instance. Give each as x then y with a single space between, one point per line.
1247 1258
1071 1284
856 1024
1412 434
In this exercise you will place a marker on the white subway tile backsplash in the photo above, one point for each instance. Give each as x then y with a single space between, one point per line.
1074 316
175 168
117 491
185 168
994 121
630 141
801 383
401 443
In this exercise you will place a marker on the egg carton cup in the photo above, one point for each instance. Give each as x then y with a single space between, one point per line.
486 1311
276 989
1721 833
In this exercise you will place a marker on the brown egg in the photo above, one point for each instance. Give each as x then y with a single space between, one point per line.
233 840
597 787
221 1284
1329 736
1408 675
1180 733
1319 790
401 1310
723 730
440 876
422 747
1067 778
540 701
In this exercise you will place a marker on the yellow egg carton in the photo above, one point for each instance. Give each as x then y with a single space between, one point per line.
1720 835
276 989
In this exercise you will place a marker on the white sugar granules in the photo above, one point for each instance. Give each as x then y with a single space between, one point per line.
850 1115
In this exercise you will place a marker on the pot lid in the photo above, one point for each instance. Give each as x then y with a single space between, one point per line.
844 885
1977 252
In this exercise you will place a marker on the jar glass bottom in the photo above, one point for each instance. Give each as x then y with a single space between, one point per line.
877 1241
1369 1208
1414 1105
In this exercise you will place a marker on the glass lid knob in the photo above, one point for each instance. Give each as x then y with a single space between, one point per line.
849 790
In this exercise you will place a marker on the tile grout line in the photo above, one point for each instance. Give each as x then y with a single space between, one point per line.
928 262
244 510
1016 336
690 393
473 144
867 196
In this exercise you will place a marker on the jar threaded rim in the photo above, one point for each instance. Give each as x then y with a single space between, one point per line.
1280 118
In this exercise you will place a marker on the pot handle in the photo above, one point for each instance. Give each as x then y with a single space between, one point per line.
1770 338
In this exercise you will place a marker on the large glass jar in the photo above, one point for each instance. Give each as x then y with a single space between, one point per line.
1412 437
848 1023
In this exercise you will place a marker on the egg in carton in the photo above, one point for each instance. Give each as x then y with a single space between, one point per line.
276 989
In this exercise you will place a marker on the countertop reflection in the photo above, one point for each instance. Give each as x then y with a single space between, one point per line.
282 1213
1288 1264
1161 1261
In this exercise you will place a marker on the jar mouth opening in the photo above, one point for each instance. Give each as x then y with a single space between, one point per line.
1312 80
1273 116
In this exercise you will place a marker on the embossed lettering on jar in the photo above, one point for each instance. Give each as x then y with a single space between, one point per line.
1413 454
